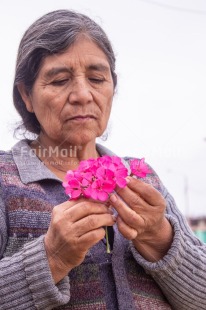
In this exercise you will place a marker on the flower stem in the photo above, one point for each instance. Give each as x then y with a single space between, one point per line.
107 241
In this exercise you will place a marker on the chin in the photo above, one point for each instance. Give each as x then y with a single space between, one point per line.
81 135
80 139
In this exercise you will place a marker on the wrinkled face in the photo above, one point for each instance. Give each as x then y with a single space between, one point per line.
72 95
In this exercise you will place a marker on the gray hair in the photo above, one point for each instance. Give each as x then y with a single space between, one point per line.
50 34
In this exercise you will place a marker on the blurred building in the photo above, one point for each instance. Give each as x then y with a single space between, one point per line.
198 225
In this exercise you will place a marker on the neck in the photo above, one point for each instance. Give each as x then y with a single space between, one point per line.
60 158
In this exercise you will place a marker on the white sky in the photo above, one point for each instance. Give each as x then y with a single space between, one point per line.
160 106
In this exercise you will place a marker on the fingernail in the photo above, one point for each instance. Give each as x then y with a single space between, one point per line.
128 179
114 217
113 198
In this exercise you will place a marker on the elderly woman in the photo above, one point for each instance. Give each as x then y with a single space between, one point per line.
53 250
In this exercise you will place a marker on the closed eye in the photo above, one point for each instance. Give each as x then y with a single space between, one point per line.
96 80
59 82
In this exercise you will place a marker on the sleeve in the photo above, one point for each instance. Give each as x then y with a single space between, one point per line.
25 278
181 273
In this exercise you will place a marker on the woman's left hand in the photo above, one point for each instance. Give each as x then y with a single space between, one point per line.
141 218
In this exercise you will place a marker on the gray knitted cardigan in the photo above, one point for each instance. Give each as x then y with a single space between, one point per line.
122 280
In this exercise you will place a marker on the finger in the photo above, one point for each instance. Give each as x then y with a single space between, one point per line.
65 205
146 191
131 198
127 231
93 222
75 212
70 203
129 216
84 209
90 238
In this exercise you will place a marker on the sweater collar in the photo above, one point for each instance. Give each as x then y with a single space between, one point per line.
32 169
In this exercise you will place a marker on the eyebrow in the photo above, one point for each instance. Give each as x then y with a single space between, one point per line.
56 70
98 67
93 67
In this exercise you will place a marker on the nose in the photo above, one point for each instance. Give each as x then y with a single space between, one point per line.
80 92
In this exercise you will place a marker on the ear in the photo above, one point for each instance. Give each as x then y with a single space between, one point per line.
25 97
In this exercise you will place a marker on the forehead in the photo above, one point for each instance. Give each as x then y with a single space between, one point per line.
83 52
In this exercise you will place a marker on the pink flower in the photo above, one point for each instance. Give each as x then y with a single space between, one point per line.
73 184
96 178
139 168
115 168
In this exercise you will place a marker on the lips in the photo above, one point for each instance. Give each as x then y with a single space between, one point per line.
82 117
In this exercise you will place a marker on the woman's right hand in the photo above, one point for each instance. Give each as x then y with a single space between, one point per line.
75 227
